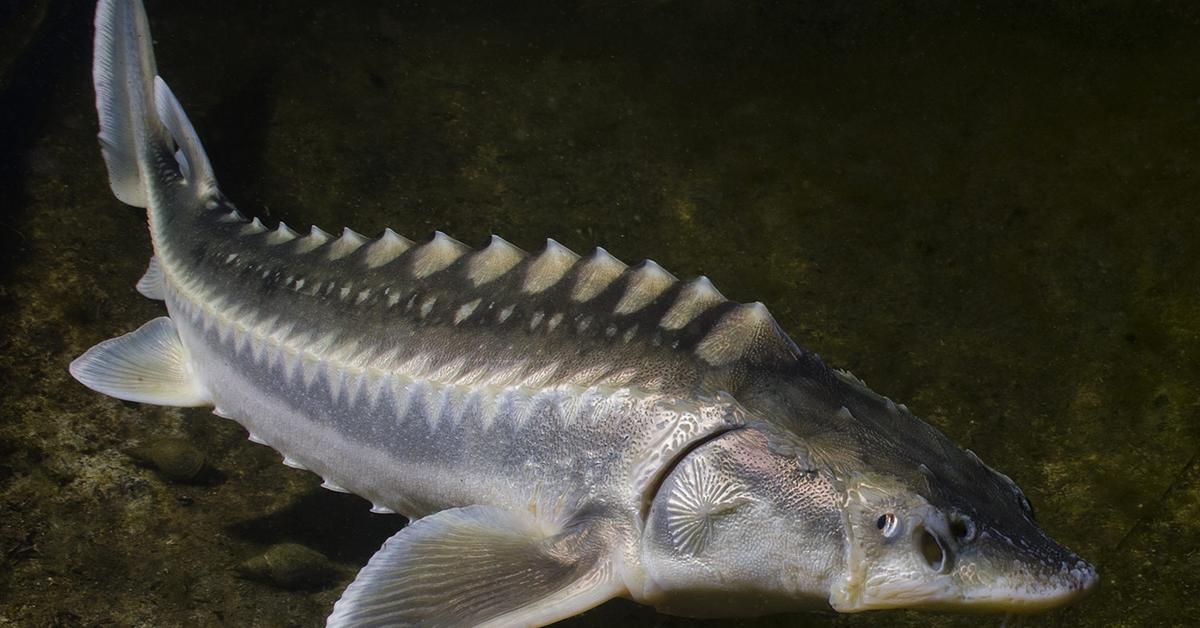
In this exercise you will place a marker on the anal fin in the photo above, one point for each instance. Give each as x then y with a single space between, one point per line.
479 566
151 283
149 365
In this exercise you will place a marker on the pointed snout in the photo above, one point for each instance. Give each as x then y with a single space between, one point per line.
1042 593
1027 586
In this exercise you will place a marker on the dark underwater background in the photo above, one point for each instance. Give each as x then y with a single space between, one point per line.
985 210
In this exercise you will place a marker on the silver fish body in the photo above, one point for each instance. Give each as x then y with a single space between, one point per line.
563 429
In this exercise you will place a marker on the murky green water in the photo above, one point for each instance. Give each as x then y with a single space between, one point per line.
988 214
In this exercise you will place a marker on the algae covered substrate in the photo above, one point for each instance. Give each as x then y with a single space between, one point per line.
987 212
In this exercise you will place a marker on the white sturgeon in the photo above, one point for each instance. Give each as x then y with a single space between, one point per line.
563 429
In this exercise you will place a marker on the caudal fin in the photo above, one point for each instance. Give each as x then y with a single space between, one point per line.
147 140
156 161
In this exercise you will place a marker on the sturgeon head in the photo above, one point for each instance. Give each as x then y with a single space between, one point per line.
834 496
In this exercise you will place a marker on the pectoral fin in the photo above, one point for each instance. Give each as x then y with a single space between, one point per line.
479 566
148 365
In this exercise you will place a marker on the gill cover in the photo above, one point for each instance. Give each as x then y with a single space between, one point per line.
736 529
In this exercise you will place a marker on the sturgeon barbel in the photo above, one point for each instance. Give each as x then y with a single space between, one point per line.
561 429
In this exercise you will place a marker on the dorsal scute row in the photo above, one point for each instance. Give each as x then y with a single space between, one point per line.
558 282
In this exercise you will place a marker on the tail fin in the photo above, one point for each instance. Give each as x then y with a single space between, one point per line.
141 123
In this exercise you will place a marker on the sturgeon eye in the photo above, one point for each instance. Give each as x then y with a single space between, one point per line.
888 524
